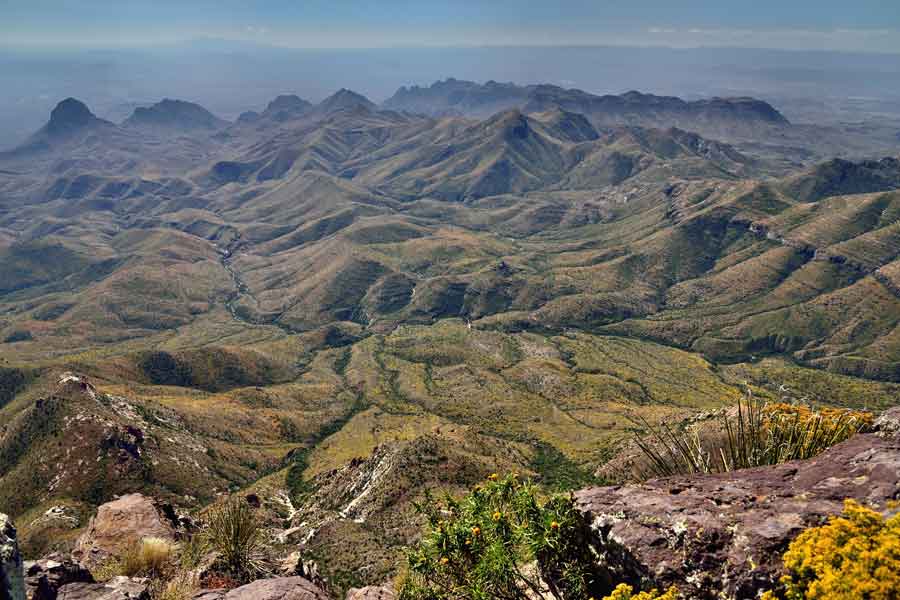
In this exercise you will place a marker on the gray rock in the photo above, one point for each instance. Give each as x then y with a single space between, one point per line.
12 581
279 588
888 424
372 592
119 524
209 595
44 578
722 536
117 588
295 565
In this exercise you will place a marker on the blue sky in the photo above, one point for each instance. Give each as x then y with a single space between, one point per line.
794 24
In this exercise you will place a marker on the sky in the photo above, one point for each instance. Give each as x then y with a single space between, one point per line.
858 25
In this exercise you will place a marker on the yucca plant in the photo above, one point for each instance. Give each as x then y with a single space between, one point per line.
233 531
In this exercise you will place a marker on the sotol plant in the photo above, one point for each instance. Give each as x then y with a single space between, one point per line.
754 434
234 532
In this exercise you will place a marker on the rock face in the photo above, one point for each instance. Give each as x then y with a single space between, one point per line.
45 577
68 115
722 535
117 588
119 524
279 588
12 584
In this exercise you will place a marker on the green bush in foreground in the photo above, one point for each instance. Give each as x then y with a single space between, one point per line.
488 546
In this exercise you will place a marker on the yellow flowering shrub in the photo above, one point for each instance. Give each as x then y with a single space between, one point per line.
624 591
829 416
855 555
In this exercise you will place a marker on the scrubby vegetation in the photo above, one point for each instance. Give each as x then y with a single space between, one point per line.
624 591
484 546
151 557
855 555
753 434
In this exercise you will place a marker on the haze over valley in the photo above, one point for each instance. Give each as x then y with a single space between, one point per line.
317 282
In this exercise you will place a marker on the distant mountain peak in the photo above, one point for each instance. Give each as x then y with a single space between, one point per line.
68 115
346 99
174 113
287 102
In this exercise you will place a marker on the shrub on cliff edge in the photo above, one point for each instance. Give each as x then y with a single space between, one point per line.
855 555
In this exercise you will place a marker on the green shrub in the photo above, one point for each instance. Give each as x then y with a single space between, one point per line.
753 435
488 546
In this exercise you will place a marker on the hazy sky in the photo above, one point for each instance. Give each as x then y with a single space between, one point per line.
867 25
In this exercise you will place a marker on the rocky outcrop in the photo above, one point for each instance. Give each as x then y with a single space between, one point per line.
372 592
45 577
279 588
888 424
121 523
12 585
722 536
117 588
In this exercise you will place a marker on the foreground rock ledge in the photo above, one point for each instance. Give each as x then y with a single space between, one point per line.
718 536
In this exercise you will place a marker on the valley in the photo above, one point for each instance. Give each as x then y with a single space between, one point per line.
340 305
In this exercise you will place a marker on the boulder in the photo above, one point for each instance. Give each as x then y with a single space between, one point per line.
295 565
722 536
117 588
44 578
888 424
209 595
279 588
12 583
119 524
372 592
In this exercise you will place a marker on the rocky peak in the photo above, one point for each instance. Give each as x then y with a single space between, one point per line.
289 102
286 107
174 113
69 115
345 99
569 126
509 125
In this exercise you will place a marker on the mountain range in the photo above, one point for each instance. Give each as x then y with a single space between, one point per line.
486 277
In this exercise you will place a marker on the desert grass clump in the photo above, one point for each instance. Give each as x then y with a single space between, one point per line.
182 585
500 541
151 557
753 434
235 534
854 555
